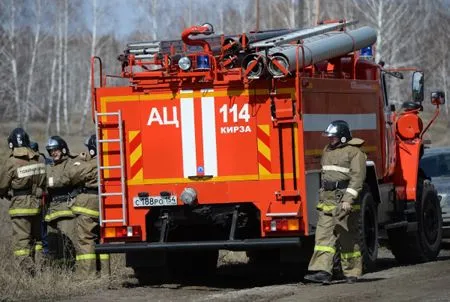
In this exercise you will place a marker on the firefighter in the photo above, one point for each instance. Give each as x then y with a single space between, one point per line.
59 216
35 147
343 174
86 209
23 176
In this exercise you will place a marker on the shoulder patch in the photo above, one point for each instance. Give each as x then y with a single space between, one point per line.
77 163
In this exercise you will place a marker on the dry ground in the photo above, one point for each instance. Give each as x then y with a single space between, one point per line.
234 281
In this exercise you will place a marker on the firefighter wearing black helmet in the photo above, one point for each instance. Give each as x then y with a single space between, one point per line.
23 176
343 174
86 209
59 217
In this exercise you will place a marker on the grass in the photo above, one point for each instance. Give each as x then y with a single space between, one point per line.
50 283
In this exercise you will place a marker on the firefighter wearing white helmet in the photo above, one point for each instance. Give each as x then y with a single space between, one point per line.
343 174
22 178
86 209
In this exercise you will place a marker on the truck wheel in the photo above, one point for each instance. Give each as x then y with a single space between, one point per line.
368 230
264 257
192 263
424 244
150 275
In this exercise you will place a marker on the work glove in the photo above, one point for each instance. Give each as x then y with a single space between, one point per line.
346 206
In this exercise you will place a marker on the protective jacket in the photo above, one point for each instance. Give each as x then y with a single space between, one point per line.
59 190
343 169
85 179
23 178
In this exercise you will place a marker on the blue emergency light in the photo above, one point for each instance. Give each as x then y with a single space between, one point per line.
203 62
366 53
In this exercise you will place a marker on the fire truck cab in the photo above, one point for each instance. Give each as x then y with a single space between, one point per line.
215 143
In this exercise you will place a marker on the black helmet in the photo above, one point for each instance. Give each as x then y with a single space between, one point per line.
57 143
18 138
91 144
34 146
339 129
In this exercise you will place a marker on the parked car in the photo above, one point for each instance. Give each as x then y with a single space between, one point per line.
436 165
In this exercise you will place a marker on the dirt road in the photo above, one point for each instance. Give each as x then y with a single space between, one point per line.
242 282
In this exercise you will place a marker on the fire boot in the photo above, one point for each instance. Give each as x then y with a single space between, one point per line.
319 277
351 279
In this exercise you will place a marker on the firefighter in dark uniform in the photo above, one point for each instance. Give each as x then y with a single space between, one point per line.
86 209
343 174
59 216
23 176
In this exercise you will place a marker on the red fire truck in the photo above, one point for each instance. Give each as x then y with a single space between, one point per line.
215 143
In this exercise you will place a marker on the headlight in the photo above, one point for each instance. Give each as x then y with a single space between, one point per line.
189 196
184 63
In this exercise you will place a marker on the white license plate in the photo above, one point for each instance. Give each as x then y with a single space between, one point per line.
154 201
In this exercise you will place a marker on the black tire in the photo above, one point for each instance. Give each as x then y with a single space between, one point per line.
192 264
264 257
368 228
179 266
424 244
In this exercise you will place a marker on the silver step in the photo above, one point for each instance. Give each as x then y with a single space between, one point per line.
112 220
114 140
109 167
112 194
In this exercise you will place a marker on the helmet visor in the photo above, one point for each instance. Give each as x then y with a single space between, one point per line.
332 130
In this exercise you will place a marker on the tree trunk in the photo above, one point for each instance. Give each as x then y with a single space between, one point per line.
33 61
65 65
12 41
60 71
88 86
52 91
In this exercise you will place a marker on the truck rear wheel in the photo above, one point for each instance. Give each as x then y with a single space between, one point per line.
423 244
368 230
179 266
192 263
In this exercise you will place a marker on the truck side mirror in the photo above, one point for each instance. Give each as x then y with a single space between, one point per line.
417 86
438 98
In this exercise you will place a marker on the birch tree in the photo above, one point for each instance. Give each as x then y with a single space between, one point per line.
60 71
34 50
65 70
10 53
92 53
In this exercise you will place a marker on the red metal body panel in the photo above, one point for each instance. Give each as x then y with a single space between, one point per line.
248 154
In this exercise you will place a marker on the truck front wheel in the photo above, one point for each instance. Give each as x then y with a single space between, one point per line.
423 244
